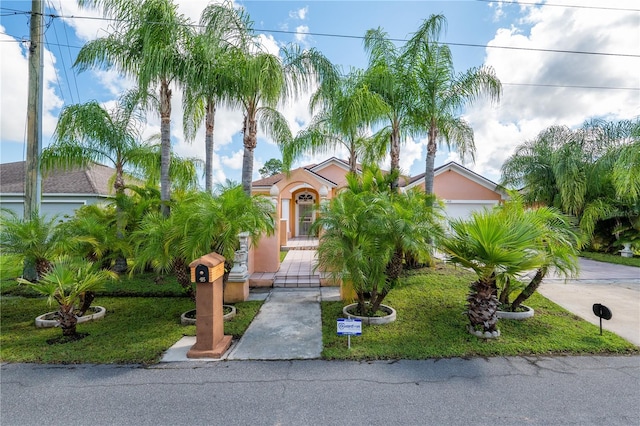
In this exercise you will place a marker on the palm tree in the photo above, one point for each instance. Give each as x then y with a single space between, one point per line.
200 223
587 172
347 109
36 239
558 244
366 230
498 248
89 133
441 94
147 45
223 28
387 76
261 81
66 283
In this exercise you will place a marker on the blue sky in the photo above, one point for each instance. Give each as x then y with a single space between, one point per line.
608 29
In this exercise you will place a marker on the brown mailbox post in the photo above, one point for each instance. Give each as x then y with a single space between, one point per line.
207 273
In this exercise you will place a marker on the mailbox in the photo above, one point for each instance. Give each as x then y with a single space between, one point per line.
202 274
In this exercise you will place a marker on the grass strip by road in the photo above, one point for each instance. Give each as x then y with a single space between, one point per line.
611 258
431 324
135 330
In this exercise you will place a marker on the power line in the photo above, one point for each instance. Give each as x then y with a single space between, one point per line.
355 37
574 6
562 86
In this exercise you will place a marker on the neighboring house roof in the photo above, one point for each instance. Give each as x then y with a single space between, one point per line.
90 180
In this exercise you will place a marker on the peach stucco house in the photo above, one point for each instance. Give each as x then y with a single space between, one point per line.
295 196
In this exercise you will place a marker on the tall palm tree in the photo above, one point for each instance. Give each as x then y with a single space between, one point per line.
346 111
387 75
90 133
441 93
260 82
223 28
147 45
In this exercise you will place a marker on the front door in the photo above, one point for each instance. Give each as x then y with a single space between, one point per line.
305 213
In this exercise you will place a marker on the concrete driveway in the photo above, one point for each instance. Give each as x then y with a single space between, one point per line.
615 286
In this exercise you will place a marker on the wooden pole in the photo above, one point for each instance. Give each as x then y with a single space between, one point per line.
33 178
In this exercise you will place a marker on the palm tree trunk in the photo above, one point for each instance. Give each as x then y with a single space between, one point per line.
208 142
165 143
394 153
529 289
482 305
120 265
68 320
432 148
250 131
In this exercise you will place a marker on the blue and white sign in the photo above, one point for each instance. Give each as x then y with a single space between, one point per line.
349 327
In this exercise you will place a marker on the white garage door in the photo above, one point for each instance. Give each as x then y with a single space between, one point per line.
462 209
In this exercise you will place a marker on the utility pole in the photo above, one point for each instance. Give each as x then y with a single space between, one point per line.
33 177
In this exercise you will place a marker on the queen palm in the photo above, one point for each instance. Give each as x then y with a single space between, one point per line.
388 77
587 172
146 45
223 28
346 111
90 133
260 82
441 94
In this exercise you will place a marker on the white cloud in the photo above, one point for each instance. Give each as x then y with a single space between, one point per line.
234 161
14 88
524 111
411 151
299 14
302 35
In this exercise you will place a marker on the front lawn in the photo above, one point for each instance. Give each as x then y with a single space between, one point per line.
430 324
134 330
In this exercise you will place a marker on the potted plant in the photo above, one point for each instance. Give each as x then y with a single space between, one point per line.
68 283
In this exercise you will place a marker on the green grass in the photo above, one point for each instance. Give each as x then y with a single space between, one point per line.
135 330
430 324
611 258
283 254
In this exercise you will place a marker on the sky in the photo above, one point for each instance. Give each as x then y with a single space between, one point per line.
561 62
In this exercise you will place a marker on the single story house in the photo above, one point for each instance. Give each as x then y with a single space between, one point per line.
62 191
461 189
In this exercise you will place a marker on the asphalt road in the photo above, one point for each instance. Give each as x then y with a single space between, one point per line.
498 391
